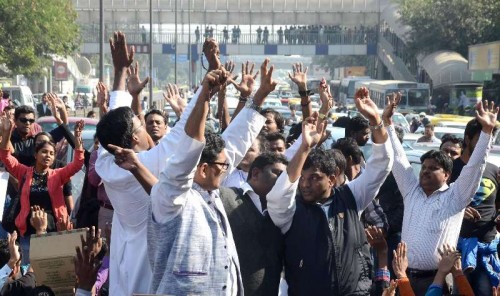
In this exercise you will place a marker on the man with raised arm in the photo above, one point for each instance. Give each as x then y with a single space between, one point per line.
433 210
326 252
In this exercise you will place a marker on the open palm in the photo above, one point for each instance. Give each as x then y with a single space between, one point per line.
365 105
487 115
312 130
245 87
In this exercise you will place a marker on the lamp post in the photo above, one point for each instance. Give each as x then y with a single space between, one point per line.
150 52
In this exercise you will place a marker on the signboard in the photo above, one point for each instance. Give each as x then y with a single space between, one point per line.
60 71
141 48
52 257
484 57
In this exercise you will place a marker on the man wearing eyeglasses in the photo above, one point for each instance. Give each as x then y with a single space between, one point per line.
22 138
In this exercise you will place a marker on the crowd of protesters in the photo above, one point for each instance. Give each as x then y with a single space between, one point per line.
186 211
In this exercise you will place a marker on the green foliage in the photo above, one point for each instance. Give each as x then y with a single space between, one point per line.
31 30
450 24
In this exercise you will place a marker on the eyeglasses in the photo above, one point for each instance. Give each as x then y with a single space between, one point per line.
26 120
137 128
223 166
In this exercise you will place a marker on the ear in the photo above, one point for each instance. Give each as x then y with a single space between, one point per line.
255 173
135 140
447 176
202 170
332 181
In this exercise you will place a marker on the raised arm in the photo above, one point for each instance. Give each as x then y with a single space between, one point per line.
73 167
135 87
281 202
122 59
14 167
378 166
102 98
245 128
245 87
169 195
467 183
299 77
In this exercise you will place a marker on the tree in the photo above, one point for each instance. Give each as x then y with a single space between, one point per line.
334 61
32 30
450 24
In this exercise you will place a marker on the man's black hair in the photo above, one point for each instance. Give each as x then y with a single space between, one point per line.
342 122
356 124
4 252
214 144
294 133
271 137
263 143
24 109
339 158
6 95
321 160
265 159
349 147
473 128
440 157
429 125
116 127
164 115
43 143
451 138
280 121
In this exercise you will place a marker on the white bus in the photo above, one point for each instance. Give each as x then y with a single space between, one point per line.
415 96
347 89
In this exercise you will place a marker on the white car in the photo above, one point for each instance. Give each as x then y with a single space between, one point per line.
440 131
271 102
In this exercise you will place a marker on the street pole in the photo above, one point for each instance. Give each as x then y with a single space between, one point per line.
101 41
175 45
189 46
150 53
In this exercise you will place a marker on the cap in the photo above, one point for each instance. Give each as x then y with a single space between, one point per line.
422 114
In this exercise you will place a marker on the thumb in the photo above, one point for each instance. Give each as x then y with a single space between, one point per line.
143 83
114 147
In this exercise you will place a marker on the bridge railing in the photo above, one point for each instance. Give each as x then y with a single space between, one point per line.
297 38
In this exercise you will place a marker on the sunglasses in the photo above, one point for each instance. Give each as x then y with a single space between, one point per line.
26 120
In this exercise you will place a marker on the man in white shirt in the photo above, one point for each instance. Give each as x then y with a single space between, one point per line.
433 211
429 136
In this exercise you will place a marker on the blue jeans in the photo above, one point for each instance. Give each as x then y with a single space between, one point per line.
479 281
24 242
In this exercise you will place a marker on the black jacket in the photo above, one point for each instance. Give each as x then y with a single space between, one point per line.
328 256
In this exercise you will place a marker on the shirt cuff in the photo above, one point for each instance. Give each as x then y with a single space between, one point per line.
119 98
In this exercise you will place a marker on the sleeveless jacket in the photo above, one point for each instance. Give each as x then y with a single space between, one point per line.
328 256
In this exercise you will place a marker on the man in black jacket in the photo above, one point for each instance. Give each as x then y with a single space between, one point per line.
43 108
326 252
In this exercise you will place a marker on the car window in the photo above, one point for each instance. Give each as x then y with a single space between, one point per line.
416 168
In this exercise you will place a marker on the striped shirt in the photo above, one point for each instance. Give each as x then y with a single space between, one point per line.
434 220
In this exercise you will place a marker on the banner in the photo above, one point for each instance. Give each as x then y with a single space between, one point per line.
60 71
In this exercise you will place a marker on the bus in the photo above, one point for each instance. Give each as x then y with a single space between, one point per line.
447 97
415 96
347 89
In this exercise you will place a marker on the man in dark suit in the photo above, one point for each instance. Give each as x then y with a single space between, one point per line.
43 109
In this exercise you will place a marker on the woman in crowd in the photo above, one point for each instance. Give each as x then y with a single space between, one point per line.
40 185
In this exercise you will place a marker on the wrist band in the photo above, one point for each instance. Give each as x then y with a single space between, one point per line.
304 93
378 126
321 116
243 99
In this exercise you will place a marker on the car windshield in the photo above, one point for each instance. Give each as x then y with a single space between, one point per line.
48 126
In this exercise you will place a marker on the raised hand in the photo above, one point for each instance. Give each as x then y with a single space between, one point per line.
366 106
78 134
93 241
214 79
122 56
212 53
64 224
245 87
487 115
15 255
449 255
267 84
229 67
393 101
400 260
325 96
38 219
102 94
125 158
376 239
135 85
472 214
86 268
174 99
7 124
51 97
299 76
391 290
312 130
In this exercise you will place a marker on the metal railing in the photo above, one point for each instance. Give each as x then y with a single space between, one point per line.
394 64
297 38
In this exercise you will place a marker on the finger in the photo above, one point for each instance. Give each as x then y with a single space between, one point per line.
290 75
305 71
246 68
251 68
143 83
243 69
116 149
256 74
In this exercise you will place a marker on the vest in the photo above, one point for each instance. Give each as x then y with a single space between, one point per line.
328 256
259 243
188 254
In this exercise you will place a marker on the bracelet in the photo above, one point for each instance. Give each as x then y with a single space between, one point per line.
251 104
378 126
243 99
321 116
308 102
304 93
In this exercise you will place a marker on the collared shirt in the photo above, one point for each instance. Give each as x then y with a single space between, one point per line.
236 179
281 199
4 274
434 220
247 189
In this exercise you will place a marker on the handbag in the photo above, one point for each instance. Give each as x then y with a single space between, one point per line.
11 212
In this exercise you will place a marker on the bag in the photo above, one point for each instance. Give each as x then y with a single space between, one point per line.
11 212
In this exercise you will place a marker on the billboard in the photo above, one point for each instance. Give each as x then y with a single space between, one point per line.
60 71
484 57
